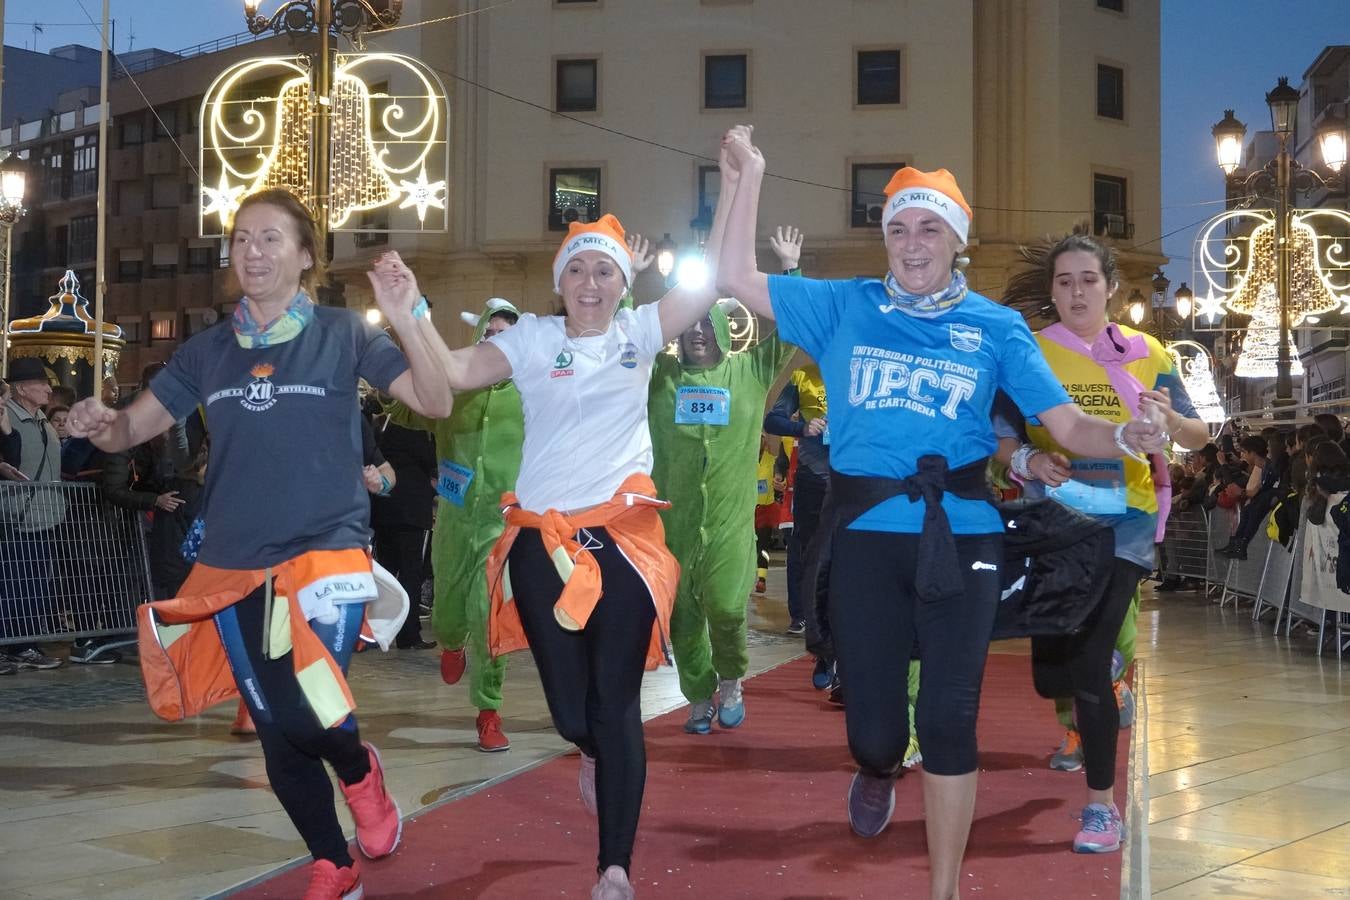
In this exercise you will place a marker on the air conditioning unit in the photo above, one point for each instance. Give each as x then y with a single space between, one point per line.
1114 225
874 213
572 214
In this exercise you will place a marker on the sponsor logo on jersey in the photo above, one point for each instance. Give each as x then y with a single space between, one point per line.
966 338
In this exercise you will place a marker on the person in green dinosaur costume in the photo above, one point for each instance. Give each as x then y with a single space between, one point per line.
705 409
478 451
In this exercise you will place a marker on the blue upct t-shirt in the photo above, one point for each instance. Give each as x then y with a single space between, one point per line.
901 387
283 474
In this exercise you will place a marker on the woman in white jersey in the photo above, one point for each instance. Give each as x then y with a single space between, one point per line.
582 574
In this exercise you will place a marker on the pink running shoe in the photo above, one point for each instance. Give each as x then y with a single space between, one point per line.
378 823
1101 830
328 882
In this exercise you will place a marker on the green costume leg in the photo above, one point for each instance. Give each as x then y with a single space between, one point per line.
460 613
448 616
727 577
1064 711
486 674
1129 632
913 691
689 639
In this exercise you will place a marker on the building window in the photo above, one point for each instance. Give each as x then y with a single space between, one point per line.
574 196
1110 91
725 81
164 261
709 188
374 225
878 77
130 264
133 328
1113 5
1109 194
83 237
201 260
132 133
53 177
166 122
166 192
84 165
576 87
163 326
869 192
59 246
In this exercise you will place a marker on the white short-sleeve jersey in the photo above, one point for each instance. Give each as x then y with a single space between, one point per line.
585 402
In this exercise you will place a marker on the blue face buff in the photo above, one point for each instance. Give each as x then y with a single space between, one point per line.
927 306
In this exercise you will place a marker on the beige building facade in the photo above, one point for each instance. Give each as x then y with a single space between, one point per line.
1047 112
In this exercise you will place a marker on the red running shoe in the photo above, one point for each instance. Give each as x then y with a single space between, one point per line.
452 665
378 822
490 737
328 882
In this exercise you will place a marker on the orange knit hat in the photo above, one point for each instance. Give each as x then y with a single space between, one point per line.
936 191
605 235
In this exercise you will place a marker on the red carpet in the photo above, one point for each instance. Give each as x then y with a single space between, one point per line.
759 812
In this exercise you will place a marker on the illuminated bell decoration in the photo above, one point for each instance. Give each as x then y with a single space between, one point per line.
1197 376
383 144
1261 344
1307 294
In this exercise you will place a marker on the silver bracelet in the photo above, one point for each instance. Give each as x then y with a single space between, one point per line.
1124 446
1021 461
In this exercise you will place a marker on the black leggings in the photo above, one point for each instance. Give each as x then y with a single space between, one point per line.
593 678
876 616
401 550
295 745
1079 666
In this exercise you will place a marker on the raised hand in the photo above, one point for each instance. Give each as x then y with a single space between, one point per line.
787 245
639 246
739 153
395 286
89 418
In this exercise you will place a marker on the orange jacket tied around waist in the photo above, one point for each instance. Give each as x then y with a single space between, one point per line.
183 661
633 523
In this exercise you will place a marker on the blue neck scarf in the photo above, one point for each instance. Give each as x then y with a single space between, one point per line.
926 306
285 327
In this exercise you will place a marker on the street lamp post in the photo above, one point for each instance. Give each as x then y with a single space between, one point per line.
1277 182
329 18
13 178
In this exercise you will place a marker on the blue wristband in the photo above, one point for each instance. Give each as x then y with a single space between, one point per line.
423 309
385 486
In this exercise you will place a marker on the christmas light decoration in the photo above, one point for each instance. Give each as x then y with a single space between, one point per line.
1261 345
1234 270
1196 370
258 131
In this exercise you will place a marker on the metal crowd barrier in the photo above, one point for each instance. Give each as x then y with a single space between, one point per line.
1185 548
1243 579
72 565
1271 576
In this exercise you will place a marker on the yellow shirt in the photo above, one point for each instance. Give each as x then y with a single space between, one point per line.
810 393
1090 387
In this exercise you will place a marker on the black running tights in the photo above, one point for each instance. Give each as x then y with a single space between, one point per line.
1079 666
593 678
295 745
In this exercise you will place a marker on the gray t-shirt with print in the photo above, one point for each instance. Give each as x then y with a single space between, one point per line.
283 473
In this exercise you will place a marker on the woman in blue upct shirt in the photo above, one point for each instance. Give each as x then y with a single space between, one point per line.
911 362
